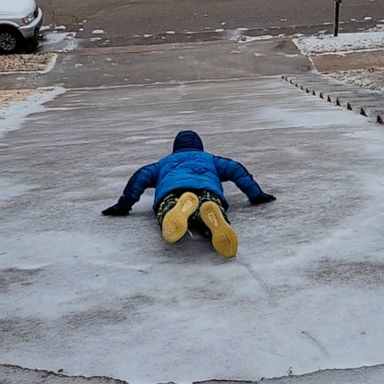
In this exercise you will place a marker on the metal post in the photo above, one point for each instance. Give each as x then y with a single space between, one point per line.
337 15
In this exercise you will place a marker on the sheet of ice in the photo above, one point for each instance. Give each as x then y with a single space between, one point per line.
105 296
11 117
312 45
59 42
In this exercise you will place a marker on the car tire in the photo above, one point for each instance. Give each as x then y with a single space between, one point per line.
10 40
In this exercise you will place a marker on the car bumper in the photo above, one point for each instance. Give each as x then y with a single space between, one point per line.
31 30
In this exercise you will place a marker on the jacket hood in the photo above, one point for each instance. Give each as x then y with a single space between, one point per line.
187 140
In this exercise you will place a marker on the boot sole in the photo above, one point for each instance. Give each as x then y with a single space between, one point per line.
175 223
224 238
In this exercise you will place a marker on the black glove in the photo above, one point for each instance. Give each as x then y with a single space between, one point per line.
115 210
263 198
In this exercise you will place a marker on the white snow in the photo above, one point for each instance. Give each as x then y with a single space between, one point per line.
312 45
373 39
60 42
290 55
98 31
373 79
250 39
11 117
51 64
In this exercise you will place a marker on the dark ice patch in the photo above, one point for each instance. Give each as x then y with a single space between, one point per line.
19 330
356 273
125 309
16 276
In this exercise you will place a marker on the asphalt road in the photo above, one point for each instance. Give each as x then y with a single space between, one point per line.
122 18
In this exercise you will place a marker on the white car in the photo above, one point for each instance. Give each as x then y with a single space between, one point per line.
20 22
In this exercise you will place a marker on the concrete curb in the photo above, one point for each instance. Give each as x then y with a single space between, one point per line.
14 374
362 101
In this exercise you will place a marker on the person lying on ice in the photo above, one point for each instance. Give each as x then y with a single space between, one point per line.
189 192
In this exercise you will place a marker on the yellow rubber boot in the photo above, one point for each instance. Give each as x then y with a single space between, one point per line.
175 222
224 238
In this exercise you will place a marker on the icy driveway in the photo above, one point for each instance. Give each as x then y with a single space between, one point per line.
105 296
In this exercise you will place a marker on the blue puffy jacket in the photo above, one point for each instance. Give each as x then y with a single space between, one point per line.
189 167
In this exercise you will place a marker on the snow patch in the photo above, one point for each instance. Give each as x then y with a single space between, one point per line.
312 45
372 79
60 42
12 116
250 39
289 55
51 64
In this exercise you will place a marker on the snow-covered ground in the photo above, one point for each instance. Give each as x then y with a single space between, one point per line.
344 42
92 295
370 77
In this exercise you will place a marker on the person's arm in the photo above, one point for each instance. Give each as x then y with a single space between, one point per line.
143 178
231 170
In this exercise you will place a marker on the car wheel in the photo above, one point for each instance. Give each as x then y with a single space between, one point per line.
9 40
